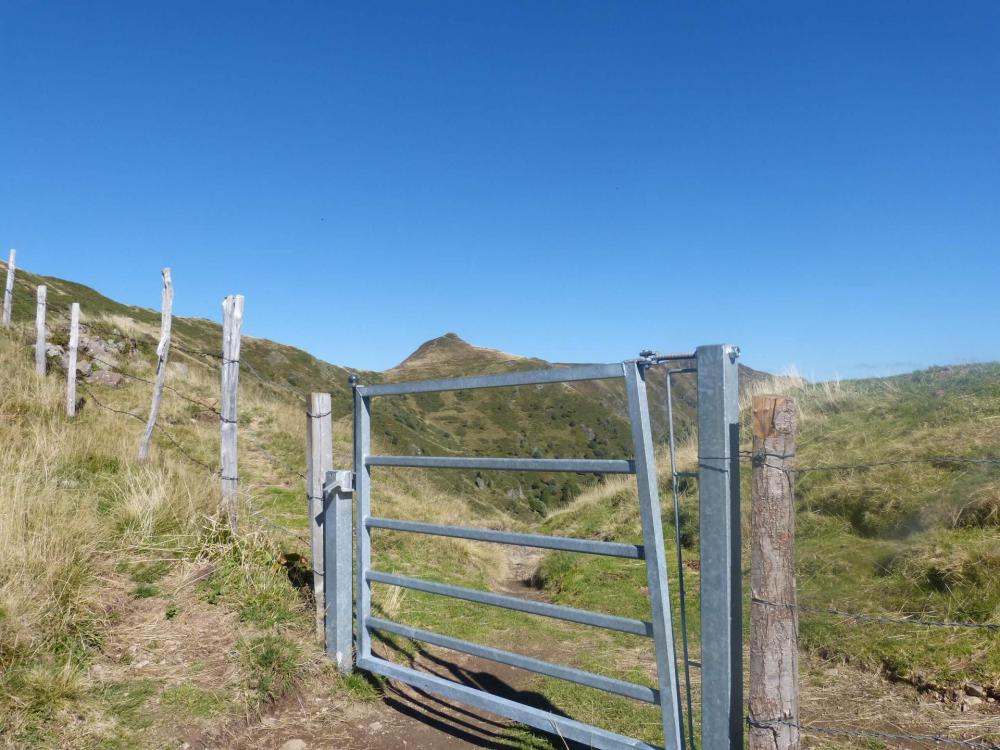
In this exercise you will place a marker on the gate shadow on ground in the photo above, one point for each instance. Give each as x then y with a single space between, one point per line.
468 724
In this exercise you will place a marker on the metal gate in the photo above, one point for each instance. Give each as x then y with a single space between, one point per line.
720 571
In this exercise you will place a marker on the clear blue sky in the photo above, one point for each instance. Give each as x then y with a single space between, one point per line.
818 182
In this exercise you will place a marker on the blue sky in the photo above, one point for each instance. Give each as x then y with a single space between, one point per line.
816 182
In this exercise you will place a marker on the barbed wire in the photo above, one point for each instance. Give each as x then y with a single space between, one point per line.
245 368
259 517
866 734
866 617
275 461
65 317
760 459
201 404
159 431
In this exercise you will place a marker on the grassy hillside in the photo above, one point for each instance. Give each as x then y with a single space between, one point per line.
107 567
130 618
580 419
915 540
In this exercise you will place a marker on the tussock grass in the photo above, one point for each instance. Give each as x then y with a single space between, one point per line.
914 540
81 521
83 528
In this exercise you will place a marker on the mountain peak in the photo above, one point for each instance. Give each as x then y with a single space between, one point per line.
450 354
449 342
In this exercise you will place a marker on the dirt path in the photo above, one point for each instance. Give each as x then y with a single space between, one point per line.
322 717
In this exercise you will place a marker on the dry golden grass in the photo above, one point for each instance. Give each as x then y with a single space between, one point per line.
76 508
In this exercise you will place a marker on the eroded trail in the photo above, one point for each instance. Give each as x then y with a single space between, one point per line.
321 714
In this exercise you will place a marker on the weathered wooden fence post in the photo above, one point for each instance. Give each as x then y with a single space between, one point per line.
40 330
162 352
232 312
319 460
74 344
8 290
774 619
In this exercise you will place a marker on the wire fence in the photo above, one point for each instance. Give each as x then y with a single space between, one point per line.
757 459
864 734
760 459
176 444
883 619
764 459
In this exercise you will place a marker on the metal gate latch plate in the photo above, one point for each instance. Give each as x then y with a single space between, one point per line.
339 482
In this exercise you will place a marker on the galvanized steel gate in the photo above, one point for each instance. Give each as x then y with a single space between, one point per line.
718 475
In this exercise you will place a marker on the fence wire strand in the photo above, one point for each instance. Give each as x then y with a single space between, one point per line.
759 459
866 734
885 619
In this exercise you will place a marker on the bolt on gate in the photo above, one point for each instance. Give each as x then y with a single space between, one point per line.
721 618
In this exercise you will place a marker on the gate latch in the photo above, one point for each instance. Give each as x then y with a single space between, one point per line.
339 482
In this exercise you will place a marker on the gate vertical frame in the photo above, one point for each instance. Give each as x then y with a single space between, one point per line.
718 473
656 569
363 485
721 573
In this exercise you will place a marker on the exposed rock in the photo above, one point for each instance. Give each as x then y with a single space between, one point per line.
104 352
54 351
83 369
105 377
295 744
969 701
480 482
975 690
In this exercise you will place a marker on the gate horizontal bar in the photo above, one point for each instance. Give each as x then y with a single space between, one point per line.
579 676
582 616
568 729
529 377
566 544
574 465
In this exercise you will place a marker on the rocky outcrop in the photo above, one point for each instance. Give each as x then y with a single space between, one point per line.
106 378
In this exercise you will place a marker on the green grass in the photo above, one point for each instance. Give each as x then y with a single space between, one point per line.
270 663
249 579
916 540
193 702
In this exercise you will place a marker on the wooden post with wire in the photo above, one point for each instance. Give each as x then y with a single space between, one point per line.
232 314
74 345
40 365
8 290
162 352
774 619
319 460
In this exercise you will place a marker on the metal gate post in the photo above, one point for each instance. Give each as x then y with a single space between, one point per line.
656 569
363 482
338 493
721 580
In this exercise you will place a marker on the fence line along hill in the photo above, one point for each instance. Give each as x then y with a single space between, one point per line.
131 616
